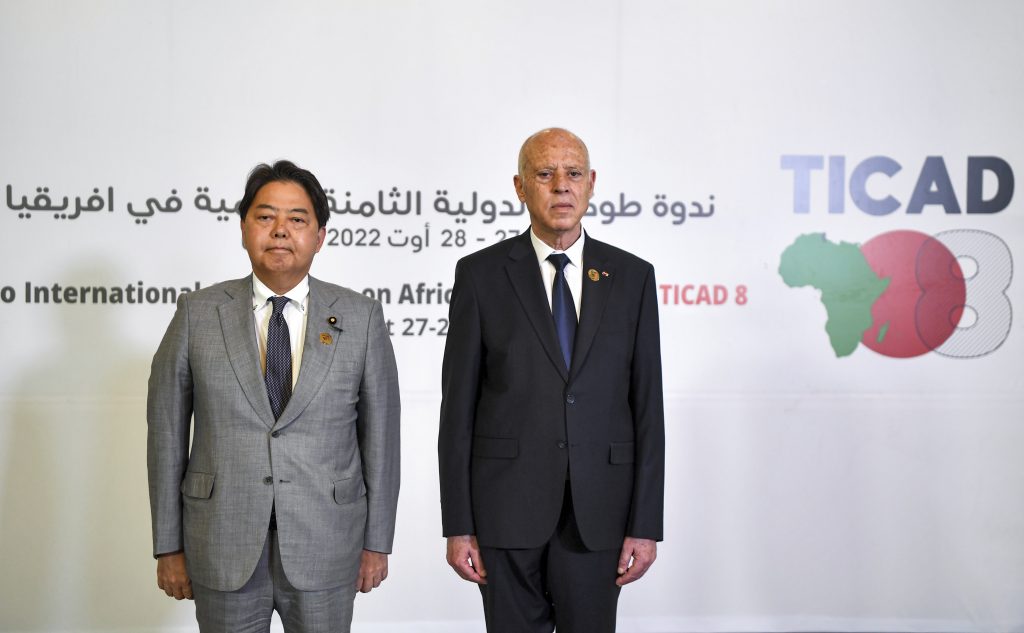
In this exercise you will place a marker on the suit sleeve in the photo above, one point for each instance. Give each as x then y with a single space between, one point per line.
169 418
379 423
460 383
647 403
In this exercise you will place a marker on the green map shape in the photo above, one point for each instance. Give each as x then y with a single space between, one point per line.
848 285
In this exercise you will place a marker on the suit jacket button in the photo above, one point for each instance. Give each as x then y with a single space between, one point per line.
561 445
275 433
268 480
571 399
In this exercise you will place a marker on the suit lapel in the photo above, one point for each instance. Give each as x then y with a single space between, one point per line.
240 339
317 355
524 273
594 299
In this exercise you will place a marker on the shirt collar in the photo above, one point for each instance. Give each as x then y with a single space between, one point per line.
296 296
575 252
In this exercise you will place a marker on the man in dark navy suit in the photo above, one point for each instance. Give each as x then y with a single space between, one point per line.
551 441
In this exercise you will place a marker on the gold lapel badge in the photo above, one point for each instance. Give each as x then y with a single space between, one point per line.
325 338
592 273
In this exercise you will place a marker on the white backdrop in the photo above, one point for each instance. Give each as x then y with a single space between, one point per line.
804 491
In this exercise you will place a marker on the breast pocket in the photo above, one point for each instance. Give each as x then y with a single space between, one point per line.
341 385
345 367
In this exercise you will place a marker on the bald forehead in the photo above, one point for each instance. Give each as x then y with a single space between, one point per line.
551 135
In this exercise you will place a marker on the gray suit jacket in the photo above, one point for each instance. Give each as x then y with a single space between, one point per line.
330 464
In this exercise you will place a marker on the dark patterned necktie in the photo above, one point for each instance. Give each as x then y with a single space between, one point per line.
562 307
279 358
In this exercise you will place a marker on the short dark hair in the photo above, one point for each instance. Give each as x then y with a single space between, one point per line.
286 171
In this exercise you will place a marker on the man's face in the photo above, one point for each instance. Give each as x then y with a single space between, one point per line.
281 234
556 183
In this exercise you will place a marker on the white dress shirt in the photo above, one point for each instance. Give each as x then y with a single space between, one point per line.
573 270
294 315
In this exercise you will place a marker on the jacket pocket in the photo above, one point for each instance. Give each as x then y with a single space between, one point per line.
620 453
496 447
197 485
348 490
344 367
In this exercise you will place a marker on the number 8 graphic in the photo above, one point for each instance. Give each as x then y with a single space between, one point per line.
986 293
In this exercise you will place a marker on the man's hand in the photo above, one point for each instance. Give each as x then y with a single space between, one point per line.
373 569
642 551
172 577
464 557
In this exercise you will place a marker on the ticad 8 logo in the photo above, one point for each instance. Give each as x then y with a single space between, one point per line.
905 293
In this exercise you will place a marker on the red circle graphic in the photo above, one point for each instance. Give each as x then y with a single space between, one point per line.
924 300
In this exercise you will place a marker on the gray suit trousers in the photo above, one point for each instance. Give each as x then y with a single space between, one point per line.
249 609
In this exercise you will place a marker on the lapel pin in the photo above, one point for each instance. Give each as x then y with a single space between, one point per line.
592 273
604 274
325 338
332 320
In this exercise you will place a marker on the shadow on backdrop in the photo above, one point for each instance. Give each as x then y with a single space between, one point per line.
75 524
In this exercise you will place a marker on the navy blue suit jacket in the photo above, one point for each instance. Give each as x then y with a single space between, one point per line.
515 424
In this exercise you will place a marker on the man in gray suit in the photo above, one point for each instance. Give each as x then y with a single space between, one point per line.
287 388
